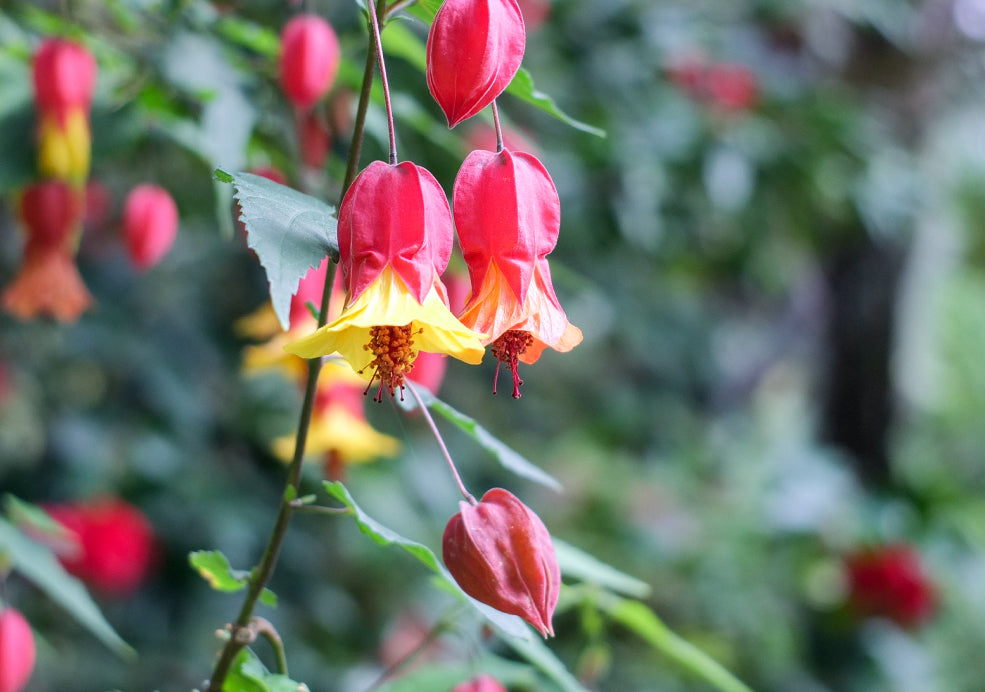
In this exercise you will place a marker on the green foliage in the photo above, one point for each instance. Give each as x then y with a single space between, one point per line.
214 568
248 674
290 231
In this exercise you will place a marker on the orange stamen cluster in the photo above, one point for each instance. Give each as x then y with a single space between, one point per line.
507 349
394 355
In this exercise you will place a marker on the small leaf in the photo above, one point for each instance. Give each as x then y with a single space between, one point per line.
579 564
510 625
425 10
291 233
38 565
269 598
215 569
641 620
507 457
248 674
523 88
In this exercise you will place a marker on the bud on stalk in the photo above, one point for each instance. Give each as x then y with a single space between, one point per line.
501 554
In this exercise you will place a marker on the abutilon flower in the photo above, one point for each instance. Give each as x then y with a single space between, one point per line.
16 650
48 282
150 224
508 217
482 683
339 431
309 59
64 75
115 544
501 554
889 581
474 50
395 238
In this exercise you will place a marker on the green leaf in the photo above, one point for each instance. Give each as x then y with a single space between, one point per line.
248 674
25 515
510 625
536 651
268 598
290 231
523 88
215 569
257 38
399 41
40 566
425 10
507 457
641 620
579 564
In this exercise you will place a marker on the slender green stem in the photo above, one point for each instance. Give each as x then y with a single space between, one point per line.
374 22
359 127
441 442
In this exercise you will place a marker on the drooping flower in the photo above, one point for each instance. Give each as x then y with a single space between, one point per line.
889 581
501 554
474 50
64 75
48 282
508 217
115 544
150 224
339 431
395 237
482 683
17 650
310 56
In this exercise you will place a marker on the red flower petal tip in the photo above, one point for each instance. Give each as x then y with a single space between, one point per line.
474 50
483 683
501 554
64 75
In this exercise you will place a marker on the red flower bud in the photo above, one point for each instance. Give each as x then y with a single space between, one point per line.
483 683
150 223
16 651
51 211
732 86
889 582
64 77
309 59
474 50
501 554
115 544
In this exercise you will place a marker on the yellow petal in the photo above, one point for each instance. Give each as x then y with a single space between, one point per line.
387 302
338 429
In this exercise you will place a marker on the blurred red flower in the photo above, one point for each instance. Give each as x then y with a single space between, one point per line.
115 544
16 651
889 581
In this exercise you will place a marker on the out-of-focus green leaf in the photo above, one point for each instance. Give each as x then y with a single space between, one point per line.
425 10
507 457
290 231
641 620
536 651
39 565
249 35
510 625
400 41
24 514
248 674
523 88
577 563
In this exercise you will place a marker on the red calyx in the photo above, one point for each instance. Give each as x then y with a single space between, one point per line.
150 224
890 582
474 50
51 211
506 210
309 61
64 76
16 651
394 214
501 554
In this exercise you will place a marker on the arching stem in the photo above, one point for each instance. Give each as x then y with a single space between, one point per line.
499 129
412 388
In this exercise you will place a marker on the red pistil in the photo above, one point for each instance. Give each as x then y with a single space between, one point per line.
394 354
507 349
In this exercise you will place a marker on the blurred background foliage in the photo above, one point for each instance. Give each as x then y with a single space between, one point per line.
775 255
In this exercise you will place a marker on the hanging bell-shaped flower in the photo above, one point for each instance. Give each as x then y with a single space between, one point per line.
474 50
501 554
150 224
309 59
16 651
64 75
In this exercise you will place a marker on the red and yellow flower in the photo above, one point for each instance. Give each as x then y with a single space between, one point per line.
508 217
395 239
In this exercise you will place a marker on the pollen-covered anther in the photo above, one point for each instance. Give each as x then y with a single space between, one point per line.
507 349
393 357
